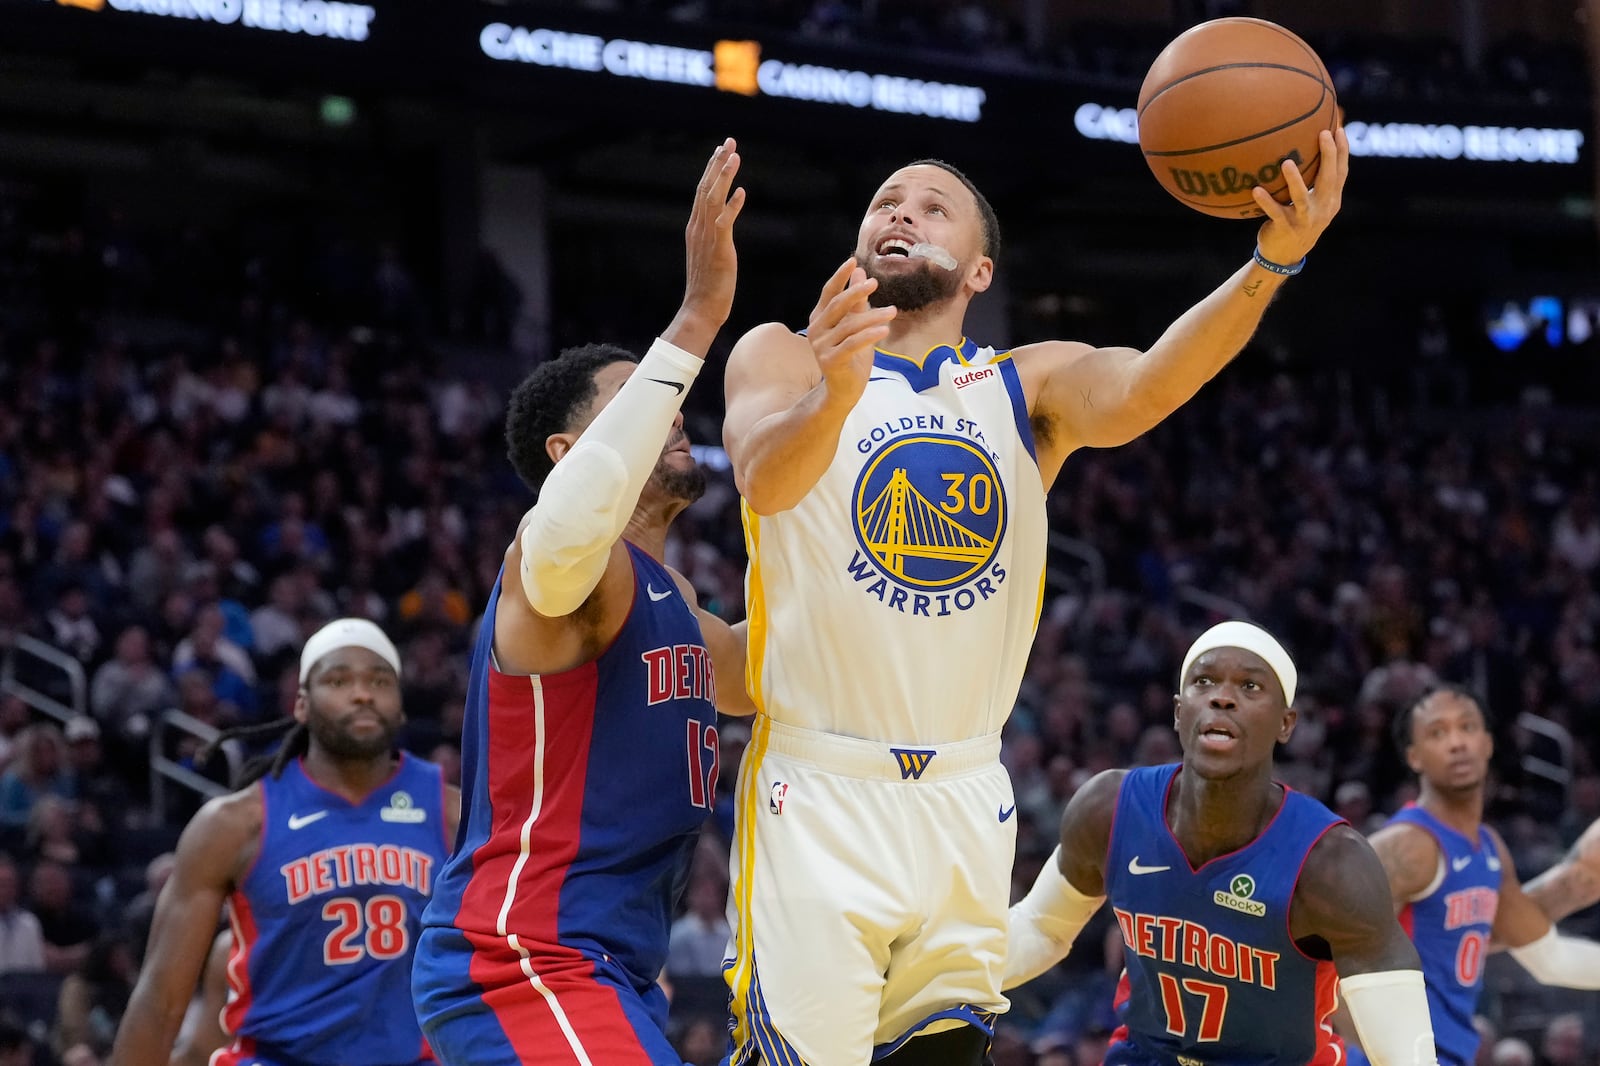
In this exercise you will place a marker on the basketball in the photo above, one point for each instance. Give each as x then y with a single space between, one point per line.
1224 105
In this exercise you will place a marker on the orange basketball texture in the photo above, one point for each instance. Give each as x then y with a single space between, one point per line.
1224 105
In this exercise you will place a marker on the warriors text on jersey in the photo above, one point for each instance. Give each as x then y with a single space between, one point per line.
326 920
1451 923
1212 974
583 796
898 600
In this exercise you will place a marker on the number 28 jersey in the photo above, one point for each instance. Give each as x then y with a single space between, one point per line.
326 920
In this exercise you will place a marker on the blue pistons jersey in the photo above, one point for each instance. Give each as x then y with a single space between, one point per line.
1451 925
326 920
1212 975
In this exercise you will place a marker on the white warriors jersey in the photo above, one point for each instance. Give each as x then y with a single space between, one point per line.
898 600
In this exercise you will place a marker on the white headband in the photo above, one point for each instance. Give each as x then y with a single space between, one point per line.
1249 638
347 633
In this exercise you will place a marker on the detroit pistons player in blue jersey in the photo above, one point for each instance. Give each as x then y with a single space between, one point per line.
1451 877
1242 903
590 744
325 864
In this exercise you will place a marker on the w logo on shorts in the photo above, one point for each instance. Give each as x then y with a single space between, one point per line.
912 762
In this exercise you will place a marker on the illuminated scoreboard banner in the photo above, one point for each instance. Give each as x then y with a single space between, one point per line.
732 67
1392 140
332 19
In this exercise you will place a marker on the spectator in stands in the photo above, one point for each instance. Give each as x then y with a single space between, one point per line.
21 939
16 1049
66 925
94 996
40 768
141 910
129 689
13 720
699 938
277 624
72 627
1563 1041
51 834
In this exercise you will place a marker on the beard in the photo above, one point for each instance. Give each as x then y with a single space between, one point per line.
911 290
676 483
330 735
686 485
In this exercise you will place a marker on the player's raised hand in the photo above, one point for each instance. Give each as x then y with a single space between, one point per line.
711 264
1291 229
844 329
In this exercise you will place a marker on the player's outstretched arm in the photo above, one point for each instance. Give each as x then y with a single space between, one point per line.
1070 887
1519 923
567 540
1103 397
788 395
1342 899
213 851
1574 882
207 1035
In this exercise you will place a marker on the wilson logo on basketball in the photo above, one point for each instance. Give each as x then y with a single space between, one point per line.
1229 181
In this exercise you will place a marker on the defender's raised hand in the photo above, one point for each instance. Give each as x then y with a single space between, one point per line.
710 261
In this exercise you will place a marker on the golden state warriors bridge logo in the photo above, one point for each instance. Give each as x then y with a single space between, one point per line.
930 513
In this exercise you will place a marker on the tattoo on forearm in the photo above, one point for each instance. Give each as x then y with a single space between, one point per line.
1087 402
1252 287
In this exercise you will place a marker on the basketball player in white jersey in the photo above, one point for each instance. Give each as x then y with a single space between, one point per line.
894 476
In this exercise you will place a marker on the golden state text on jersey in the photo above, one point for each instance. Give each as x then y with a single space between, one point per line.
930 513
926 532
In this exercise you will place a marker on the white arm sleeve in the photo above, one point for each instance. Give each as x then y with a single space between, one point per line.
1390 1011
587 499
1044 924
1566 961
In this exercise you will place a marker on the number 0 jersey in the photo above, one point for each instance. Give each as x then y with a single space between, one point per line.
1451 924
898 600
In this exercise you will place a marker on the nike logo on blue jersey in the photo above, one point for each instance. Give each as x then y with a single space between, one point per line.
657 597
676 386
1135 868
1460 862
1007 812
300 821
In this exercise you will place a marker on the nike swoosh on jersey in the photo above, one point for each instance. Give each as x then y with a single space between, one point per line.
1135 868
1007 812
1460 863
300 821
676 386
657 597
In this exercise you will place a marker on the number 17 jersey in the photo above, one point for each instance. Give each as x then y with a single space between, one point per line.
1212 975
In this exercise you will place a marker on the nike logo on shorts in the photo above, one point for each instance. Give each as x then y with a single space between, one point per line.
676 386
1135 868
1007 812
300 821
